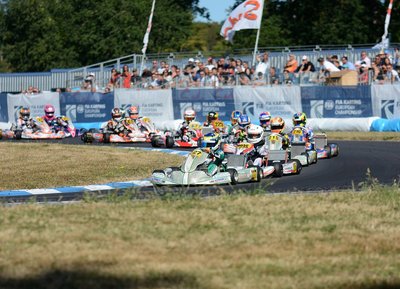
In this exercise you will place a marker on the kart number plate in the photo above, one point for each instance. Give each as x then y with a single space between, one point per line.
218 124
243 146
298 132
196 153
146 119
195 126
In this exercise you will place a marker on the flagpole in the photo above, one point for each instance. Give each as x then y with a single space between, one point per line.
147 35
387 21
258 36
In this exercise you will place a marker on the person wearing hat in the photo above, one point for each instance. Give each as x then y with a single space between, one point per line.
305 66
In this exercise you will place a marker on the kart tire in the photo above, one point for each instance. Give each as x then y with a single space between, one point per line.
1 133
106 137
234 176
174 169
87 137
337 150
18 134
278 170
159 171
154 142
169 142
328 151
199 141
299 167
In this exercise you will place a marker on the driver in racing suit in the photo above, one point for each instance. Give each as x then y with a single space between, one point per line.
211 116
278 126
234 126
115 124
189 116
211 144
49 117
241 133
300 119
25 121
265 121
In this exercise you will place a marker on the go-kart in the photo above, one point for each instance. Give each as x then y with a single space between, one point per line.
129 132
300 147
42 130
278 157
324 149
194 172
194 134
239 155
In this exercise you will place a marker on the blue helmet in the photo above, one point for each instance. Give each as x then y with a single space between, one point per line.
211 141
235 116
265 119
244 120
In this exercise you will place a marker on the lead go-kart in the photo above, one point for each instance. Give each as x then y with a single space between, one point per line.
194 171
130 132
42 130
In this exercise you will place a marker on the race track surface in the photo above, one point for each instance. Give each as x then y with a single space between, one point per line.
346 171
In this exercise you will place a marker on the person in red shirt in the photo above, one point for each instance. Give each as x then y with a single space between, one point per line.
126 75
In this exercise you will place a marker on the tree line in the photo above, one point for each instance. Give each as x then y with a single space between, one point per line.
38 35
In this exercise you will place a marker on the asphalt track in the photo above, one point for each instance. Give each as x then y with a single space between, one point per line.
346 171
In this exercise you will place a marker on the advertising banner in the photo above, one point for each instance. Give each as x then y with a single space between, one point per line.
203 101
35 102
3 107
87 106
281 101
337 101
155 104
386 101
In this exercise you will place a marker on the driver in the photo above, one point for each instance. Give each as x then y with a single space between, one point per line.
211 144
278 126
234 126
49 117
255 136
265 121
189 115
300 119
115 124
25 121
211 116
244 122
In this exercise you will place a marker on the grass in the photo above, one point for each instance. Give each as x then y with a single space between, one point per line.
337 240
358 135
42 165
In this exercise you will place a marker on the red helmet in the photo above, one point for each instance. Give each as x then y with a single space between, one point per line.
49 111
133 112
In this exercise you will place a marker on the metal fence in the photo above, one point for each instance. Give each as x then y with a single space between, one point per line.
70 78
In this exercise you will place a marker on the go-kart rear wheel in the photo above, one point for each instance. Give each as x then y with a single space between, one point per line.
234 176
278 170
18 134
1 133
259 175
328 151
106 137
199 141
169 141
307 158
159 172
87 137
155 142
299 167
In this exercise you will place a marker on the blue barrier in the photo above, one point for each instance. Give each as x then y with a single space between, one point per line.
337 101
386 125
3 107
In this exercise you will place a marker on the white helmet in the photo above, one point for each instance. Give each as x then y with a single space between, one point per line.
189 115
254 133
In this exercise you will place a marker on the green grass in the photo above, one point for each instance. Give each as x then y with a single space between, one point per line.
336 240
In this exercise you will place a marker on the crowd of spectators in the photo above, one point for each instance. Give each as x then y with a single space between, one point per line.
229 72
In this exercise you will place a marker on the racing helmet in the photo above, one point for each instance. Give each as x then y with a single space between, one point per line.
211 116
244 120
189 115
277 124
265 119
299 119
133 112
235 116
254 133
24 113
116 114
211 141
49 111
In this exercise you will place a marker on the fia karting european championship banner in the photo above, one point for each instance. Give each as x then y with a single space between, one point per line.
36 103
281 101
3 107
386 101
87 106
155 104
204 100
337 101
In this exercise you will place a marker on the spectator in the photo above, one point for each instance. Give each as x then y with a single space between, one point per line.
259 80
114 79
378 74
135 78
396 59
346 64
214 79
126 76
262 64
326 65
364 59
363 74
391 74
273 77
243 79
305 66
210 63
202 80
291 64
155 65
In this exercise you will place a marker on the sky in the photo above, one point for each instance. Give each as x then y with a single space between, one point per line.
217 9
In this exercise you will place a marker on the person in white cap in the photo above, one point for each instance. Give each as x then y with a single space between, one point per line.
305 66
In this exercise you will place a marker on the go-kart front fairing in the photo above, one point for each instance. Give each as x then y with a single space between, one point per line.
301 148
193 172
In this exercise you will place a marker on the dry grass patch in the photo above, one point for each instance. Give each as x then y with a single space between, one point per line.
341 240
359 135
41 165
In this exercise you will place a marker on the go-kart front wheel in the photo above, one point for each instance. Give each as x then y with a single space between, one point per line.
106 137
278 170
169 142
18 134
328 151
1 133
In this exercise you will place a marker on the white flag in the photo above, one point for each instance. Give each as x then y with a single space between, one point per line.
246 16
147 35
